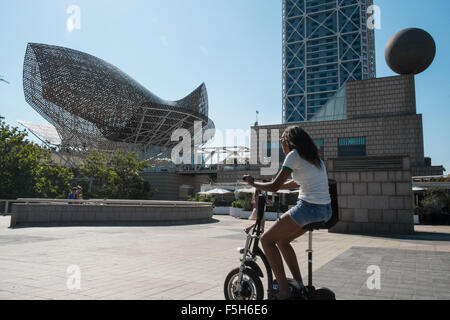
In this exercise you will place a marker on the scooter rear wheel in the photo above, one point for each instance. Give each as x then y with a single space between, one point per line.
324 294
251 287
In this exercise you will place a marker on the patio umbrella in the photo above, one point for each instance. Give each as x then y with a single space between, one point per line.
288 191
218 191
282 192
246 190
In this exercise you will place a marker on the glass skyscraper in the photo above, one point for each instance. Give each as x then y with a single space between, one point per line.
325 44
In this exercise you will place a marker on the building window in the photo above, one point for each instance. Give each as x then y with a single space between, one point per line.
352 147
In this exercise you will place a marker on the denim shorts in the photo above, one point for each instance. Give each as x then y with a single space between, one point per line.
305 213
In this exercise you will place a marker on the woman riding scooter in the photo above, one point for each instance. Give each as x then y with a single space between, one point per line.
309 174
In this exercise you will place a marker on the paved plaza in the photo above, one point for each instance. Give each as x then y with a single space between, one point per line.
190 262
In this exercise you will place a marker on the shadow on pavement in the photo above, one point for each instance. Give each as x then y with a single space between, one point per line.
118 224
417 236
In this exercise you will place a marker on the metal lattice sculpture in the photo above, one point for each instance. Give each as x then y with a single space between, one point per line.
94 105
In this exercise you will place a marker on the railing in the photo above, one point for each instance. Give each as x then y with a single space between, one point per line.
190 169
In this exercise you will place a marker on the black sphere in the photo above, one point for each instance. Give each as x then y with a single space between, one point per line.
410 51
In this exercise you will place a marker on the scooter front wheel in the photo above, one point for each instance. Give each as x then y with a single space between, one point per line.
250 288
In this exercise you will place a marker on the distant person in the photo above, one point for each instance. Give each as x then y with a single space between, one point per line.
254 215
73 193
255 198
79 193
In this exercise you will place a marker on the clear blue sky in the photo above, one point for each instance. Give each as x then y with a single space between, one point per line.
234 46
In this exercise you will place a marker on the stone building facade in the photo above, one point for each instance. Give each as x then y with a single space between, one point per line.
383 111
174 186
374 187
374 179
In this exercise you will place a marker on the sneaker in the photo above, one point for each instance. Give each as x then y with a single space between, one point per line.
297 285
301 290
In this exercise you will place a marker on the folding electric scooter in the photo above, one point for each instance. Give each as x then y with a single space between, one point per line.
244 283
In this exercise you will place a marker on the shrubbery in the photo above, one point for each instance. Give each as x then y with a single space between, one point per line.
221 203
434 208
243 204
435 201
201 198
215 201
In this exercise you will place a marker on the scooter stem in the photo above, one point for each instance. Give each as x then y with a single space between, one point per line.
310 257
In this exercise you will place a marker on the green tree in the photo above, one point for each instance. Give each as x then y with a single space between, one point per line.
95 166
52 181
26 169
127 182
435 201
114 176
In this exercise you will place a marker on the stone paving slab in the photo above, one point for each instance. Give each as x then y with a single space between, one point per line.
190 262
404 274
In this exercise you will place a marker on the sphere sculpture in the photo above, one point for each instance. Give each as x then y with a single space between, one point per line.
410 51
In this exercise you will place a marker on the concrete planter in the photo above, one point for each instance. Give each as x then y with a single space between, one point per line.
245 214
236 212
222 211
272 216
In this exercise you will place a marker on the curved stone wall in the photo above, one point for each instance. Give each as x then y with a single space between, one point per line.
57 213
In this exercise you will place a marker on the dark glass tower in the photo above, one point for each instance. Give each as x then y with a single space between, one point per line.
325 44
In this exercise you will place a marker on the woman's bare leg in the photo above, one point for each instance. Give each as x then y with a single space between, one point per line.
279 233
289 255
